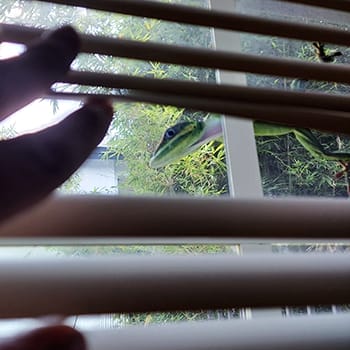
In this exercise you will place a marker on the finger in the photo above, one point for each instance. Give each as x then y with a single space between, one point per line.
28 76
48 338
35 164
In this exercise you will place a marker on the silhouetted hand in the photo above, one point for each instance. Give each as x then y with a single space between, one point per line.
48 338
35 164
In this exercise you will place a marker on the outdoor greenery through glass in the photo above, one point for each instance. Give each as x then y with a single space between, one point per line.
137 128
286 168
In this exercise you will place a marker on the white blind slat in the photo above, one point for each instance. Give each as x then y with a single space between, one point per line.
108 217
66 286
302 333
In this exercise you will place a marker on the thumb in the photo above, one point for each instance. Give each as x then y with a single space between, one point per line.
48 338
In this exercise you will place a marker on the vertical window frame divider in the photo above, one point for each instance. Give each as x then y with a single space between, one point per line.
242 161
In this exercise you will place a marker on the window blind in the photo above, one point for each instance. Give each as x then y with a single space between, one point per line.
148 284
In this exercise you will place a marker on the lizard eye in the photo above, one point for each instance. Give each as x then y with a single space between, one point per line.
169 133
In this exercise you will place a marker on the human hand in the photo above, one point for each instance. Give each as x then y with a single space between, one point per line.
48 338
35 164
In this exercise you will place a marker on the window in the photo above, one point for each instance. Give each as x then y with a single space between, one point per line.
120 164
288 168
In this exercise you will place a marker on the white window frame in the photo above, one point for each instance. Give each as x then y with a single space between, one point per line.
241 155
242 161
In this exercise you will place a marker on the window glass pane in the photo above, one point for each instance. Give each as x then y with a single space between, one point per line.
287 166
121 165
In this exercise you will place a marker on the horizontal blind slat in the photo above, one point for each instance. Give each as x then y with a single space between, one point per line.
194 56
162 283
316 118
217 19
210 90
302 332
108 216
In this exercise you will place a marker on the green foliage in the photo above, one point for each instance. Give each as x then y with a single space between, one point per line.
120 250
202 173
72 185
162 317
287 168
137 128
